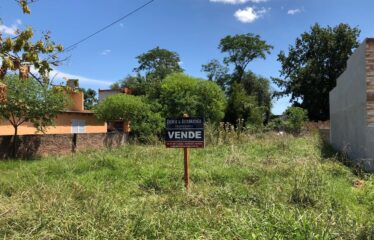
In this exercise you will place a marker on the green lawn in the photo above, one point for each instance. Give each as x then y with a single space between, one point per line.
269 188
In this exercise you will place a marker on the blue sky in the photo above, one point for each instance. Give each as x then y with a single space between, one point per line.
192 28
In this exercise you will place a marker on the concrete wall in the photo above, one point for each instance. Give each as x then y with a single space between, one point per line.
350 130
31 146
62 125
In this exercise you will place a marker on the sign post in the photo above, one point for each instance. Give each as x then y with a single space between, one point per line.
187 168
185 132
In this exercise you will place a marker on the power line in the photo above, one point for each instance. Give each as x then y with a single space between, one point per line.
109 25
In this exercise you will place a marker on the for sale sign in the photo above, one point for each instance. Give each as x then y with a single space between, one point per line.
184 132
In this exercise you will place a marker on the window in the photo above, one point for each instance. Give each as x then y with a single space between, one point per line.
78 126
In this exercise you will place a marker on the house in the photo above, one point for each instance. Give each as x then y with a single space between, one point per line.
75 119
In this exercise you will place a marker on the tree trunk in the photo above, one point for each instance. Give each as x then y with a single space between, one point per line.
15 141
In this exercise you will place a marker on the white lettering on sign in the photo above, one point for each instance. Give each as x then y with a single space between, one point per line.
184 134
171 134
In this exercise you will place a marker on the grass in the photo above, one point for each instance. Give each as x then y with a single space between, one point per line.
268 188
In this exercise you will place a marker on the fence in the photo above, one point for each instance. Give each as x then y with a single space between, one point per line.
31 146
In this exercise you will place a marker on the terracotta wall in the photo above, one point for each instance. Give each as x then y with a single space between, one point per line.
77 101
370 79
62 125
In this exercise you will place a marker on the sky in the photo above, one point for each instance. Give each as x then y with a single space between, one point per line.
192 28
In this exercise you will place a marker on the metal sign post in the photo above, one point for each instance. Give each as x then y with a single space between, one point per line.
185 132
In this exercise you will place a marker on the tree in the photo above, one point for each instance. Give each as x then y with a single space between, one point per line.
20 52
28 101
137 84
90 98
157 63
259 88
313 64
242 106
241 50
145 122
184 94
218 73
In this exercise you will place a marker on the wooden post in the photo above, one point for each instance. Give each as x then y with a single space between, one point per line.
186 163
187 168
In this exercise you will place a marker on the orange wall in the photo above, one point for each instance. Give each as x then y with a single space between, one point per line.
77 101
62 125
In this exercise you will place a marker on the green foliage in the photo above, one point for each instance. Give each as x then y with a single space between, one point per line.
145 122
29 101
313 64
218 73
90 98
259 88
157 63
241 105
264 188
20 50
296 118
249 96
184 94
241 50
292 121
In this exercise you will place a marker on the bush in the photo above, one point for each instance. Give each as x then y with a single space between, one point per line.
295 119
292 121
184 94
145 122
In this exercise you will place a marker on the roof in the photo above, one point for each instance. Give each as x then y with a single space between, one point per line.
78 112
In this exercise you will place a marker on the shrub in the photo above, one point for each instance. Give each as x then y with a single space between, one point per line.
295 119
292 121
184 94
145 122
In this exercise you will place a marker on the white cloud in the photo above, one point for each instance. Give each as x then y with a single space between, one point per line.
250 14
293 11
238 1
58 75
10 30
106 52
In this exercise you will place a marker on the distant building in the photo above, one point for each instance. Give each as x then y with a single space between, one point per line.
75 119
104 93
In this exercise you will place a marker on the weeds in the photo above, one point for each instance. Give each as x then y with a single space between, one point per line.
242 187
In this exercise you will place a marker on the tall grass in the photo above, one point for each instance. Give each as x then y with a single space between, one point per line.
264 187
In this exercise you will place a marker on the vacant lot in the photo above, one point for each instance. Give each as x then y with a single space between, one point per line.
270 187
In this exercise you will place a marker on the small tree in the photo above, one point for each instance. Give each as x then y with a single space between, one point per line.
28 101
144 121
184 94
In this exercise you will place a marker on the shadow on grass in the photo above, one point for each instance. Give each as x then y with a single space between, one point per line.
328 152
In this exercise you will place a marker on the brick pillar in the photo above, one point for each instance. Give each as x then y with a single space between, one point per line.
370 79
